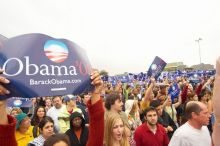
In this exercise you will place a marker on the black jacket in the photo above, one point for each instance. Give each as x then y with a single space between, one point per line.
166 121
71 134
84 109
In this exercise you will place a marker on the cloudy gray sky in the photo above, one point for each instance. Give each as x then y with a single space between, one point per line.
122 35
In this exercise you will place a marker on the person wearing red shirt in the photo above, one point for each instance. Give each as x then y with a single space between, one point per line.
151 133
7 122
7 127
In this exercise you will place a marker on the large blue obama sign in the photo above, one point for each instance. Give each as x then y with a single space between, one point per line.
39 65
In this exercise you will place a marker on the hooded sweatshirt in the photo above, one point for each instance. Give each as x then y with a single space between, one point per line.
133 120
84 133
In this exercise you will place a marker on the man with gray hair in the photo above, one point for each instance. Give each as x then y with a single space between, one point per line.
194 132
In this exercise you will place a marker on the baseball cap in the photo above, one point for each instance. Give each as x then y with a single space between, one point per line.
69 97
19 118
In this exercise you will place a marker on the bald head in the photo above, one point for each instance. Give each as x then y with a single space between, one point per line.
193 106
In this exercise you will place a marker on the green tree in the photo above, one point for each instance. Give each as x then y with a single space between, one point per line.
103 73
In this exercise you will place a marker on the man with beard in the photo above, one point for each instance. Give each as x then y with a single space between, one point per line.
151 133
54 111
164 118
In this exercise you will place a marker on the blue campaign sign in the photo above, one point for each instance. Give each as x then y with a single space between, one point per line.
19 102
39 65
174 91
156 67
2 39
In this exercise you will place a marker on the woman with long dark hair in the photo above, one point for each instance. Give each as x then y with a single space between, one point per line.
39 114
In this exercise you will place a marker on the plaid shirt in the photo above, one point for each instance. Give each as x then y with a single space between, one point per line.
39 141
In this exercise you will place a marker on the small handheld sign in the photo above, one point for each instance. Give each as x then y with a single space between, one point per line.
156 67
19 102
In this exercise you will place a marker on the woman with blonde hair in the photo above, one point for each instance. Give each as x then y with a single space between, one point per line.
115 134
131 110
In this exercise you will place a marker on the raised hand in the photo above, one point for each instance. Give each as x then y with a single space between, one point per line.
3 80
98 83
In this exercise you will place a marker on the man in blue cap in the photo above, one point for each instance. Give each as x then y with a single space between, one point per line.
64 114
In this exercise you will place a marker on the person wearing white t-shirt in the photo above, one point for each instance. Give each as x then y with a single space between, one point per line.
54 111
194 132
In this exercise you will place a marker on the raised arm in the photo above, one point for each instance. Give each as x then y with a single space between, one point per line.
149 90
98 83
179 101
3 91
7 123
216 105
96 112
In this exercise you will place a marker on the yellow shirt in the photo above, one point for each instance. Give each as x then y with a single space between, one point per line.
144 105
24 139
63 119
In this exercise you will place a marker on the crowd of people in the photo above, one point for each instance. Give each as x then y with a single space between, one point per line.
145 114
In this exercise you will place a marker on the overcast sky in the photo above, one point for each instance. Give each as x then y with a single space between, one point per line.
122 35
